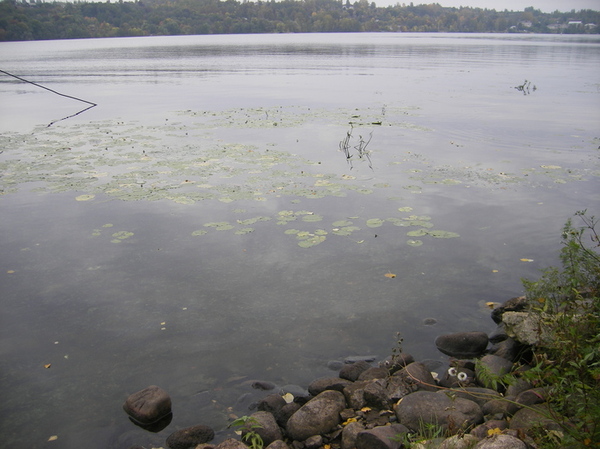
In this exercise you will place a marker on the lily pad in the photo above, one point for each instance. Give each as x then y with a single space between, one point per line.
85 197
200 232
374 222
443 234
417 233
415 242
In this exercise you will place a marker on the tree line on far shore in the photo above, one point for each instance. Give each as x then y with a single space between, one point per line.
40 20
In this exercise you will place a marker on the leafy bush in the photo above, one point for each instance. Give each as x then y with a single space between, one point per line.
567 361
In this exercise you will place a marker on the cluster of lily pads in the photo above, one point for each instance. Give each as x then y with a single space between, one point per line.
345 228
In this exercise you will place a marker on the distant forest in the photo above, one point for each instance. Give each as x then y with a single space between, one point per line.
39 20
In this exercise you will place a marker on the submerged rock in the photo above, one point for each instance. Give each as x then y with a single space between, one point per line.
190 437
148 406
463 344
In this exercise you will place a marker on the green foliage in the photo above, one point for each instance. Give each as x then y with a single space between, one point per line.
248 426
25 20
567 360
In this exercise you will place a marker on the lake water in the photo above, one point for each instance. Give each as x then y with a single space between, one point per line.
201 227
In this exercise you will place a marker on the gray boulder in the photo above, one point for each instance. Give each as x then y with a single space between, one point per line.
381 437
148 406
231 443
350 433
279 444
353 370
327 383
466 441
536 416
417 374
463 344
501 442
318 416
452 414
269 430
491 365
190 437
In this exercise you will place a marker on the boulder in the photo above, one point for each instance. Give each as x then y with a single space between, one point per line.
271 403
512 305
353 370
327 383
269 430
279 444
501 442
527 328
318 416
466 441
355 395
376 372
491 365
452 414
381 437
349 435
463 344
190 437
536 416
482 430
231 443
285 412
476 394
417 374
148 406
375 394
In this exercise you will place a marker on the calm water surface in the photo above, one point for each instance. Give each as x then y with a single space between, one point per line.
201 227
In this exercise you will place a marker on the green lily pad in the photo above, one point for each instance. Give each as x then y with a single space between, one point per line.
243 231
200 232
312 218
417 233
443 234
414 242
312 241
374 222
341 223
85 197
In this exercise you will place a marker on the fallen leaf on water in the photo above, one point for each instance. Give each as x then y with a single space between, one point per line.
526 260
47 365
288 398
494 271
390 275
53 438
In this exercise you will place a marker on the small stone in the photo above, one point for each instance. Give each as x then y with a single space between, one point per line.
501 442
351 371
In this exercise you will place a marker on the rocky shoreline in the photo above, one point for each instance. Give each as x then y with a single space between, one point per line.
378 405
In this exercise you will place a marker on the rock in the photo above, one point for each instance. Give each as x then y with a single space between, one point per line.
279 444
190 437
349 435
375 372
427 407
501 442
498 407
491 365
375 394
269 430
231 443
481 431
318 416
417 374
314 442
327 383
526 328
397 362
355 394
476 394
148 406
271 403
360 358
512 305
352 371
527 418
509 349
285 412
398 387
463 344
532 396
466 441
263 385
381 437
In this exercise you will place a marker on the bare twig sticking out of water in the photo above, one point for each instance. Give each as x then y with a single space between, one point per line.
57 93
525 87
361 147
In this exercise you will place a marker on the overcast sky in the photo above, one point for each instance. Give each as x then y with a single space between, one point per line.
501 5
